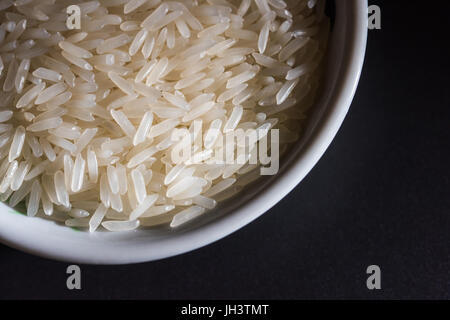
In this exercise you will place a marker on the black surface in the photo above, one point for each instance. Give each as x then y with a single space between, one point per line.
380 195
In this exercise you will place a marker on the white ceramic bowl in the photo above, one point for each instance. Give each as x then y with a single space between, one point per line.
345 60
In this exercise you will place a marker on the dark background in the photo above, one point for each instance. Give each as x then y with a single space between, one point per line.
380 195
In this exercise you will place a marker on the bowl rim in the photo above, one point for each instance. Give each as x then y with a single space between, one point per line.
292 175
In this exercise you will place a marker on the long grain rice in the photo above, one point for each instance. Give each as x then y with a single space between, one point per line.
89 118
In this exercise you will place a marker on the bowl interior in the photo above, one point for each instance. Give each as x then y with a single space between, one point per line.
47 238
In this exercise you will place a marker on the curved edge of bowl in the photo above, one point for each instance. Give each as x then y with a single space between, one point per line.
293 174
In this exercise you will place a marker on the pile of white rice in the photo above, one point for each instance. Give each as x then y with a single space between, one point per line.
87 116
